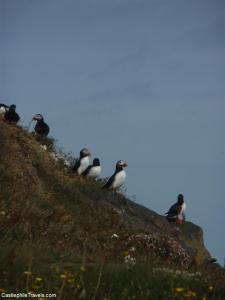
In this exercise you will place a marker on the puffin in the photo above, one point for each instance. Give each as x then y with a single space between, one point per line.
118 178
11 116
41 128
3 108
93 170
181 211
83 162
176 213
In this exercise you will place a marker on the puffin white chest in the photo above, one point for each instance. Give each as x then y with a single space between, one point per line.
183 207
84 163
119 179
181 214
2 110
94 172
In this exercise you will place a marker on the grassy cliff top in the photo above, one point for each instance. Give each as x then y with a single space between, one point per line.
51 220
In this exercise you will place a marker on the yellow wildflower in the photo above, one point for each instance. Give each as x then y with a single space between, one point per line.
179 289
191 293
28 273
82 269
68 274
38 279
63 276
78 286
204 298
70 280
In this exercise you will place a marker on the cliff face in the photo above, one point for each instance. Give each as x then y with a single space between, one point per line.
189 235
47 211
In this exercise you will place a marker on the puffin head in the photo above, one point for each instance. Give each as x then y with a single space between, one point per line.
84 152
121 164
180 199
12 107
96 162
38 117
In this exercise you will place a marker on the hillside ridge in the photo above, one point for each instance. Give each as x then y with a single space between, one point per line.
50 216
35 169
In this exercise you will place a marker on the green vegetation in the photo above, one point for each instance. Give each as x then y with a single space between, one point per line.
111 281
62 234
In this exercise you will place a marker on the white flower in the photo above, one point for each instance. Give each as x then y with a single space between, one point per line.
132 249
114 236
129 260
54 156
43 147
118 211
66 163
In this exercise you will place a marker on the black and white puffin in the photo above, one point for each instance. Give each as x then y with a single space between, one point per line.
41 128
118 178
83 162
3 108
176 213
11 116
93 170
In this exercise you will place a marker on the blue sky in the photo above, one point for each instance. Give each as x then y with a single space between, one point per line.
140 80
